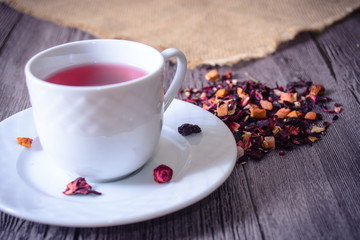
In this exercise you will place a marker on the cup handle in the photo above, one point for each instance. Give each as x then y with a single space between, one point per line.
179 74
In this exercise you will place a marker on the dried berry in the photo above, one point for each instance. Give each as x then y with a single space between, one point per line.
24 141
79 186
162 174
187 129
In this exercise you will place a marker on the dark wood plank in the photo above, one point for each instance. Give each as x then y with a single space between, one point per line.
8 20
343 57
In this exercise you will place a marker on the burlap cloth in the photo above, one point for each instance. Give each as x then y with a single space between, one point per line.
208 32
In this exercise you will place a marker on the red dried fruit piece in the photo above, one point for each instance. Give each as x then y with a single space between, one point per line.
162 174
24 141
79 186
227 75
187 129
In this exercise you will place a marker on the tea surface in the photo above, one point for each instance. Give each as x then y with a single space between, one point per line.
95 75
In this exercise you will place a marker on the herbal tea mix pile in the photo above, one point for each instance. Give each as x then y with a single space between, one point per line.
263 118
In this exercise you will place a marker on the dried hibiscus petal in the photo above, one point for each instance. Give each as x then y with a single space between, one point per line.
24 141
162 174
79 186
187 129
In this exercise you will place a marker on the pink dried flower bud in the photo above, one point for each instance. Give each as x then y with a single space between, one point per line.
162 174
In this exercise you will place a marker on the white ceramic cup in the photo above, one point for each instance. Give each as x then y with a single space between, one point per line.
101 132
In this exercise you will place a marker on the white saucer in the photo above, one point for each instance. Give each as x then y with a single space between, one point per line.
31 186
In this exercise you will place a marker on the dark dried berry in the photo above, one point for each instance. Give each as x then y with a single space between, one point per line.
162 174
187 129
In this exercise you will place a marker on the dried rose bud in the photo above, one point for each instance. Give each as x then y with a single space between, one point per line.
187 129
162 174
212 76
79 186
24 141
317 90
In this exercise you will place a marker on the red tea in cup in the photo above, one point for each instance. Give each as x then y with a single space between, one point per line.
95 75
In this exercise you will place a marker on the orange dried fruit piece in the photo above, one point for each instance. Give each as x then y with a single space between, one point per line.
310 116
282 112
294 114
221 93
212 76
266 105
25 141
287 97
317 90
222 109
241 93
258 113
269 142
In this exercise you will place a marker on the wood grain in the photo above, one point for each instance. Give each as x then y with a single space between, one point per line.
310 193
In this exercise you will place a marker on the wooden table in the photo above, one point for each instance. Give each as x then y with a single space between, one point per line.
310 193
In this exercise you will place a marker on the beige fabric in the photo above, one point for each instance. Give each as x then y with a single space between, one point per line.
208 32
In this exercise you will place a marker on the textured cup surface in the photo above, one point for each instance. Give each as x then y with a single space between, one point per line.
99 132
